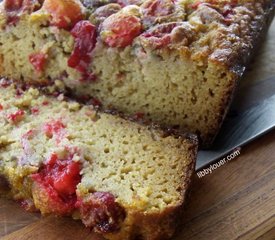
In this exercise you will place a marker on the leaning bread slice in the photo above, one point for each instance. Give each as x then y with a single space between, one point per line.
120 178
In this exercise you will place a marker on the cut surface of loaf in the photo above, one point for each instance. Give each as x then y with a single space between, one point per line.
121 178
173 62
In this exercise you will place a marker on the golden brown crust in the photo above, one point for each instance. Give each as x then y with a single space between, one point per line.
239 62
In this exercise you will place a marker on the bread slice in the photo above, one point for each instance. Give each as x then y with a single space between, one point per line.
121 178
176 64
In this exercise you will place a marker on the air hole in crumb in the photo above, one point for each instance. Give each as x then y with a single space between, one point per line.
126 170
159 196
165 190
174 166
103 165
106 150
211 93
223 75
112 174
145 147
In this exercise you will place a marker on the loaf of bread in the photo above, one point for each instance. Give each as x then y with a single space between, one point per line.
175 63
121 178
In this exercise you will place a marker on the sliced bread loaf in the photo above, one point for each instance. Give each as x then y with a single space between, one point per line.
122 179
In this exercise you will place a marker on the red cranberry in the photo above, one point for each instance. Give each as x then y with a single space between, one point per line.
64 174
160 36
53 127
1 107
35 110
19 92
14 8
119 30
38 60
58 179
84 34
139 116
45 103
25 5
16 116
153 9
13 5
96 102
64 14
53 202
101 212
228 10
4 82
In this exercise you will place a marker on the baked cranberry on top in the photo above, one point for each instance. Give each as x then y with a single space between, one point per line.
14 8
160 35
120 29
154 10
64 14
85 35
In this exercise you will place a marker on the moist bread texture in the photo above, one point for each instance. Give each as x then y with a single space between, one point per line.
122 179
175 63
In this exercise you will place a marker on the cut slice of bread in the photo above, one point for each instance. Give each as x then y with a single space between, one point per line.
123 179
177 64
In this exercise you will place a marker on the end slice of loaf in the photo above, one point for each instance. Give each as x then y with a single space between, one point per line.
122 179
178 67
